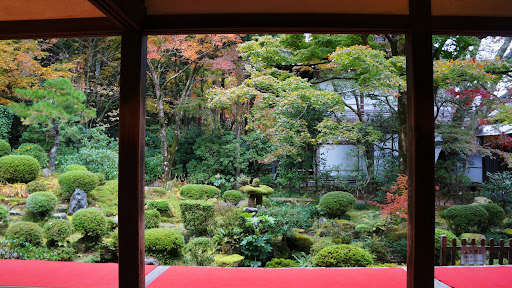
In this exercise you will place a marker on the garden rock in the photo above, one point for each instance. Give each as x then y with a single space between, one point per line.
15 213
60 216
62 208
241 203
152 261
78 201
116 219
482 200
250 210
47 173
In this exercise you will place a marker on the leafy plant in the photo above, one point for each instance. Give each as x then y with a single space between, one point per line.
499 189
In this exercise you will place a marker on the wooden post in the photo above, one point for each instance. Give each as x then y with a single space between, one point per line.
442 253
420 146
131 159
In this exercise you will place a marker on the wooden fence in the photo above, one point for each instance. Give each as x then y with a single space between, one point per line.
501 250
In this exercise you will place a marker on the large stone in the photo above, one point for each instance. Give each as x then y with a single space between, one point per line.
62 208
47 173
250 210
481 200
78 201
15 213
152 261
60 216
116 219
241 203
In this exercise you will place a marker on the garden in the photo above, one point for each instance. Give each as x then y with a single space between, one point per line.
239 162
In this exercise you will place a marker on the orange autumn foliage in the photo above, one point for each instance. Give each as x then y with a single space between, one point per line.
395 205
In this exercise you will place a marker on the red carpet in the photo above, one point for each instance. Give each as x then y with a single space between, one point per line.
37 273
215 277
475 277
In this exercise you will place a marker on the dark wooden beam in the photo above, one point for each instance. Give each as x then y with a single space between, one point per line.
58 28
420 147
475 26
132 124
128 14
274 23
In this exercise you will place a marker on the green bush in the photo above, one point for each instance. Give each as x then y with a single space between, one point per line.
299 242
159 191
18 168
378 248
57 231
197 216
200 251
343 256
4 214
336 204
232 260
164 244
466 219
151 219
233 196
161 206
41 203
101 178
97 160
496 215
199 191
90 222
75 167
319 245
35 186
72 180
281 263
5 148
437 243
34 150
110 225
30 232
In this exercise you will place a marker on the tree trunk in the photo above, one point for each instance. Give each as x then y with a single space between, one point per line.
164 142
402 133
53 152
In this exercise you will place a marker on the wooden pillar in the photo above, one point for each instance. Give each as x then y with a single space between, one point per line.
420 146
131 159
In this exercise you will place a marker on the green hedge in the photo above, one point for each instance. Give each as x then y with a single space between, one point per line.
90 222
41 203
197 216
35 151
199 191
151 219
343 256
29 231
57 231
72 180
466 219
164 244
18 168
335 204
5 148
35 186
233 196
161 206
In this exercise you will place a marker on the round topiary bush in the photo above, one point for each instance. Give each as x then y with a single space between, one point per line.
41 203
90 222
437 243
35 186
75 167
161 206
72 180
342 256
233 196
466 219
197 216
4 214
199 191
5 148
151 219
164 244
57 231
35 151
30 232
280 263
101 178
336 204
496 215
18 168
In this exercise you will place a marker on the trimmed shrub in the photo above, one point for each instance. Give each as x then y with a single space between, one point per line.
437 243
101 178
90 222
41 203
299 242
75 167
466 219
5 148
4 214
469 236
18 168
199 250
57 231
35 151
151 219
233 196
343 256
199 191
232 260
30 232
164 244
281 263
197 216
161 206
35 186
496 215
72 180
110 225
256 189
319 245
335 204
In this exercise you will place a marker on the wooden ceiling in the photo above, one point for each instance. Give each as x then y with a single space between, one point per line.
46 18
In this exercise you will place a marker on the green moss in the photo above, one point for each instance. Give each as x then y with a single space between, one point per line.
299 242
75 167
507 232
105 197
232 260
281 263
343 256
261 190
